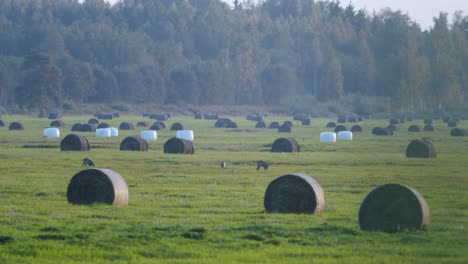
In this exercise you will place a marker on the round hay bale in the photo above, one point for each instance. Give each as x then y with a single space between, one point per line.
185 134
392 128
255 117
178 146
260 124
345 135
285 145
142 124
115 114
93 121
458 132
428 121
2 124
331 124
301 116
199 116
222 122
76 127
209 116
134 144
57 123
97 186
379 131
305 122
177 126
352 119
158 126
340 128
126 126
88 128
160 117
394 121
288 123
402 119
414 128
360 118
232 125
73 142
452 123
428 128
284 128
54 116
294 193
274 125
420 148
356 128
16 126
341 119
328 137
105 116
103 125
393 207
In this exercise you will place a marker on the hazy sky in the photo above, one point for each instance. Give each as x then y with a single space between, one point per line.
421 11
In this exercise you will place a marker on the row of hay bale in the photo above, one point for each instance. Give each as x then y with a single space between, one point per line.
107 116
207 116
349 119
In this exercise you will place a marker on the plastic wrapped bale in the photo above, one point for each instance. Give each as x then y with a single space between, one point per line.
394 121
57 123
199 116
93 121
76 127
97 186
177 126
360 118
2 124
260 124
356 128
392 128
255 117
232 125
88 128
274 125
428 121
114 131
73 142
288 123
159 117
106 116
115 114
428 128
300 116
209 116
331 124
158 126
55 115
126 126
414 128
285 145
345 135
103 133
185 134
341 119
458 132
284 128
393 207
305 122
294 193
340 128
51 132
379 131
420 148
16 126
328 137
178 146
149 135
352 119
222 122
134 144
142 124
103 125
452 123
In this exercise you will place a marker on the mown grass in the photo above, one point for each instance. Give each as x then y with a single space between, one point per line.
185 209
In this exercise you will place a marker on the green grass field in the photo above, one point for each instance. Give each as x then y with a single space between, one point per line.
185 209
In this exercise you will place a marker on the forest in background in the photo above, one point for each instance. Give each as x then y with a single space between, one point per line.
60 54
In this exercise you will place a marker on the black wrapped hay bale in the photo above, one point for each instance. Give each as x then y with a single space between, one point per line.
54 116
2 124
452 123
394 121
393 207
179 146
97 186
106 116
379 131
158 126
142 124
16 126
428 128
274 125
115 114
392 128
285 145
414 128
222 122
341 119
103 125
232 125
331 124
356 128
199 116
294 193
305 122
420 148
177 126
340 128
428 121
76 127
255 117
352 119
88 128
134 144
93 121
284 128
126 126
260 124
458 132
288 123
73 142
57 123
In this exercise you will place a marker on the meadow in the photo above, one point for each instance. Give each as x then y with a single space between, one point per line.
186 209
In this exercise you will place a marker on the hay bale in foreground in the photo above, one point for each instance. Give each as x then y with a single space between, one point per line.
134 144
97 186
285 145
356 128
177 126
103 125
126 126
393 207
178 146
260 124
76 127
284 128
428 128
340 128
331 124
73 142
274 125
458 132
57 123
414 128
16 126
378 131
420 148
294 193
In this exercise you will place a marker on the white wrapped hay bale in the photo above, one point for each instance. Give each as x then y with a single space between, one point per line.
103 132
345 135
114 132
51 132
149 135
328 137
185 134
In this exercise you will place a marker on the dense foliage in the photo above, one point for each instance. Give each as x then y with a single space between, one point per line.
205 52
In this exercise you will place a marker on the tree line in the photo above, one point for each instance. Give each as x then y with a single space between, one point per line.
205 52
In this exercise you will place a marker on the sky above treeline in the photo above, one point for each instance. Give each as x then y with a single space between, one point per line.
421 11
